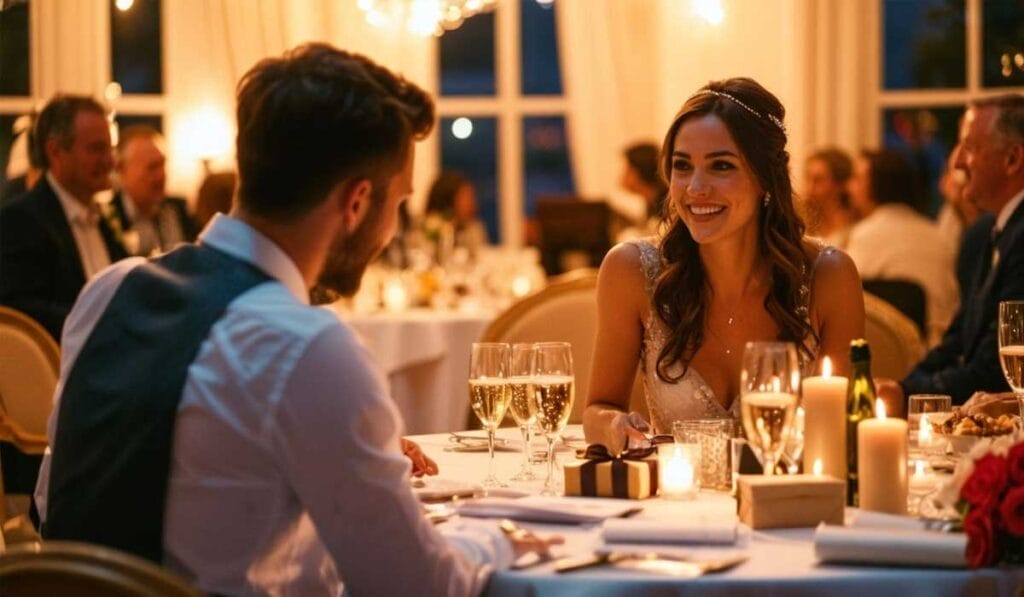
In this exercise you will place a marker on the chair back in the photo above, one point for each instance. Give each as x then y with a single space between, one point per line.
29 368
73 569
564 311
570 224
896 344
906 296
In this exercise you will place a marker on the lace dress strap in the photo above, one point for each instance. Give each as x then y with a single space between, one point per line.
650 261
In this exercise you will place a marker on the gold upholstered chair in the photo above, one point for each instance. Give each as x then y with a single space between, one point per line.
73 569
29 368
896 344
564 311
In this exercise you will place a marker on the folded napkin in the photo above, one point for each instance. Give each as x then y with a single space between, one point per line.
890 547
547 509
430 489
664 531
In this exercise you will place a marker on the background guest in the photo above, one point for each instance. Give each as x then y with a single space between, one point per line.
991 155
826 200
893 241
452 199
149 221
216 194
52 239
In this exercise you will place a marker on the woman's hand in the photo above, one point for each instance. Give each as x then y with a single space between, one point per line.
421 463
627 429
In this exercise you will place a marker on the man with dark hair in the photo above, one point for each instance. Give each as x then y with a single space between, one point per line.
52 239
991 155
211 419
149 221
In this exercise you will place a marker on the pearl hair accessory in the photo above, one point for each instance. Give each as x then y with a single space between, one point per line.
771 117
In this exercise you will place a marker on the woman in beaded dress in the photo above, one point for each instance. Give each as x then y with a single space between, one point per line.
731 266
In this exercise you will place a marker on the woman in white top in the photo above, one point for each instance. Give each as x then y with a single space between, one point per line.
732 267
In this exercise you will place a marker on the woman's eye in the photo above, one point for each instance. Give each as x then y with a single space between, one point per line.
681 165
722 165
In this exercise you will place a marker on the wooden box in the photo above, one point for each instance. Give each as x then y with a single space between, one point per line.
785 501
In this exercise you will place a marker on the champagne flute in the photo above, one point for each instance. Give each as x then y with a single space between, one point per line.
523 404
769 384
554 391
489 366
1011 347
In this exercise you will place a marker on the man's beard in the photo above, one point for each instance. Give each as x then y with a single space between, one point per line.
348 258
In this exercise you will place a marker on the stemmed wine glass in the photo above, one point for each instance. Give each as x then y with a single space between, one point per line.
522 403
1011 347
489 368
554 391
769 386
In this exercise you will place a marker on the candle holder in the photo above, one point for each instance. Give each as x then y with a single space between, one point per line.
678 471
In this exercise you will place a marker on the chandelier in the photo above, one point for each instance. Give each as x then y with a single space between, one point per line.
423 17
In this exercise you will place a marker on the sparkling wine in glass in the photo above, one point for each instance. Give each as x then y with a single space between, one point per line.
769 384
523 404
1011 347
489 368
554 392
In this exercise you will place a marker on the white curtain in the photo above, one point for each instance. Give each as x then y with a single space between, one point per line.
607 52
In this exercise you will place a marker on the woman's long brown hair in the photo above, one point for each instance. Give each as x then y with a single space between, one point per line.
682 293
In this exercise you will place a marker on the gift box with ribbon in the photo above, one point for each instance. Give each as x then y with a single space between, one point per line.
633 474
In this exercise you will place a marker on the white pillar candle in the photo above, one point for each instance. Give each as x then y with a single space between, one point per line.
825 421
882 463
395 296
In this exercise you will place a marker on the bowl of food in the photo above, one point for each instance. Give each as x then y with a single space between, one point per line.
962 431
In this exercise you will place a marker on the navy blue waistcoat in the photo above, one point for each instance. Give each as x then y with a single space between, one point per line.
112 452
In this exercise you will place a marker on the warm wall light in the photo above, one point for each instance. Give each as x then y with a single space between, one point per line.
124 5
709 10
206 134
423 17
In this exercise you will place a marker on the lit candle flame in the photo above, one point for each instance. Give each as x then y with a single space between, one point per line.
818 467
918 468
924 431
879 408
826 368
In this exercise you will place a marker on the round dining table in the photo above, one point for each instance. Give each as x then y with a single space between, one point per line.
779 562
425 354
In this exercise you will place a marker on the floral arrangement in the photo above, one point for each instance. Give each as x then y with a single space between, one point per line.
987 489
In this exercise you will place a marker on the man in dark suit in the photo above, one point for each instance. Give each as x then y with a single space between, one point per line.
52 238
148 220
991 154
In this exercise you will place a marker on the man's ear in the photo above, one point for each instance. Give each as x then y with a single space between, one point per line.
353 199
50 149
1015 158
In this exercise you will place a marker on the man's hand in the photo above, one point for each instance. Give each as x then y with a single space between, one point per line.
891 394
992 405
421 463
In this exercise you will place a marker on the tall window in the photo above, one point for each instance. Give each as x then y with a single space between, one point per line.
936 55
15 70
503 114
136 62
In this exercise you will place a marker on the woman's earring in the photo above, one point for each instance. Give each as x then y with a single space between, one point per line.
767 198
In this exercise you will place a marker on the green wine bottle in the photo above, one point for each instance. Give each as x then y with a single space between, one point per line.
860 405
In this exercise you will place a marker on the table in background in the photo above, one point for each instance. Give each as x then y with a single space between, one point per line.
781 562
425 354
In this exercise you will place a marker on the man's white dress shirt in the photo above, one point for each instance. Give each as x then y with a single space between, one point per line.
894 242
286 469
85 228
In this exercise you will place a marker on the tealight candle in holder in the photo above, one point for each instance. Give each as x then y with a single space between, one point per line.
394 295
678 470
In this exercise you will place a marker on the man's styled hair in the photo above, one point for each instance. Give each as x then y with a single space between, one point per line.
133 132
317 116
57 120
1009 123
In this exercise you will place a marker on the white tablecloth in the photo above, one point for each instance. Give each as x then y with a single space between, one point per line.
426 357
781 562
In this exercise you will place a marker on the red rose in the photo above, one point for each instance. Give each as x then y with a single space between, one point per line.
986 483
1012 511
1016 460
981 544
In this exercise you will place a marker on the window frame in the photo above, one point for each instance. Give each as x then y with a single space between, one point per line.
510 107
